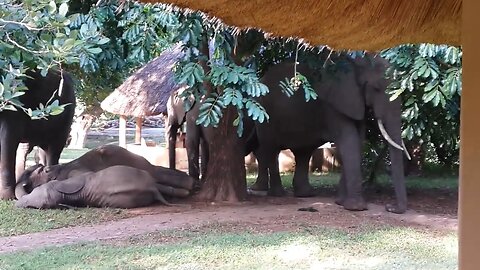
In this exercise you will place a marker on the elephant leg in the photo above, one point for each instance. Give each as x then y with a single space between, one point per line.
171 130
349 146
193 143
53 153
7 166
276 187
171 191
342 190
261 184
172 178
40 156
21 158
301 184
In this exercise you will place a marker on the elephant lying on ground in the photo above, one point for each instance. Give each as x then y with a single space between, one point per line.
337 115
101 158
116 186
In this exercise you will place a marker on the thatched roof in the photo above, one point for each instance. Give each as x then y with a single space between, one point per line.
146 91
343 24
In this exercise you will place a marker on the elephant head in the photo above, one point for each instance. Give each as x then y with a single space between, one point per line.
33 177
358 85
41 197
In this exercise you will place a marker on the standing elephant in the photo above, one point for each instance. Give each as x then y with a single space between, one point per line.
51 135
195 137
345 92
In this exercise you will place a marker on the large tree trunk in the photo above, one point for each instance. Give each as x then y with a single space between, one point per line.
80 127
225 178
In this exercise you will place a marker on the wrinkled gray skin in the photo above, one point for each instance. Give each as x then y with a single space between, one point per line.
116 186
338 115
101 158
17 127
195 137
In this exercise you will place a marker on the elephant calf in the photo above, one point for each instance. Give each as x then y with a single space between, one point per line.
101 158
116 186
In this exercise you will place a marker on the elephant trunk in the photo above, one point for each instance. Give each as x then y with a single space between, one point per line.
20 190
393 128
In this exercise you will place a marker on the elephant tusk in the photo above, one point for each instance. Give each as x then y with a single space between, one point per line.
386 136
406 151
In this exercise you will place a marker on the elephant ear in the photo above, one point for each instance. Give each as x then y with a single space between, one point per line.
340 88
70 186
176 105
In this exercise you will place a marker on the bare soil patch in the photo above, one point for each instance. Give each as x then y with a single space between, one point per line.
259 214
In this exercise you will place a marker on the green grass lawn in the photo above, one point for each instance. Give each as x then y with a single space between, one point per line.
213 248
15 221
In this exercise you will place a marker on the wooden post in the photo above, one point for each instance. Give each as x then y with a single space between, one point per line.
469 218
122 131
138 130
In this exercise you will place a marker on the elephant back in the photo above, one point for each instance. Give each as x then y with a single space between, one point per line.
41 89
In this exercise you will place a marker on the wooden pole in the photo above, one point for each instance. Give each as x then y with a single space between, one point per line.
122 131
469 213
138 130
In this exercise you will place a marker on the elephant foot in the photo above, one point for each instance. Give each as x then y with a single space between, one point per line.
394 208
259 186
340 200
304 191
276 191
355 204
7 194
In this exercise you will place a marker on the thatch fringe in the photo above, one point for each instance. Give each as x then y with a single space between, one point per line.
343 24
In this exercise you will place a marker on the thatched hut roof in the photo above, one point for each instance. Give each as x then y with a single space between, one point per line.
146 91
343 24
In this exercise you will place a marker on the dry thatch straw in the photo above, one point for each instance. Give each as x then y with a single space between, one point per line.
146 91
343 24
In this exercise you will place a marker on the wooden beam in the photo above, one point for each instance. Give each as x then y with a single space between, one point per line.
122 131
138 130
469 203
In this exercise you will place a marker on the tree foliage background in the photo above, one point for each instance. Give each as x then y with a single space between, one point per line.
101 42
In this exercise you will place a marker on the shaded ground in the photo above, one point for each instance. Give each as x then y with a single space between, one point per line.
259 214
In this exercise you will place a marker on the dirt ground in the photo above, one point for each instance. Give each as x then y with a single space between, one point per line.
435 211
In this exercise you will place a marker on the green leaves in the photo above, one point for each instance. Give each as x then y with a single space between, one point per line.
210 111
255 110
426 67
255 89
428 77
233 97
231 74
289 87
190 74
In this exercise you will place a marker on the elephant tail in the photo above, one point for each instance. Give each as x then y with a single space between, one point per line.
160 198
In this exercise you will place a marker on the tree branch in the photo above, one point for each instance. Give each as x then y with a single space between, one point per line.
21 47
21 24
